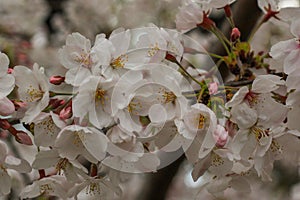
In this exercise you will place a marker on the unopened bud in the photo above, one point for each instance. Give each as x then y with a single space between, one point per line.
4 124
213 88
57 80
23 138
65 113
10 70
235 34
221 136
6 107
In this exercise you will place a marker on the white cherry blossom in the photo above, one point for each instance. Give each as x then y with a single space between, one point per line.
75 140
33 88
94 99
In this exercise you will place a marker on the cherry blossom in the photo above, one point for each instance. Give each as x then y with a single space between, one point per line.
33 88
289 50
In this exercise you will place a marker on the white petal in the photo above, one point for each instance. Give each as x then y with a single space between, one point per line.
76 76
295 28
266 83
243 115
6 85
45 159
238 97
4 62
96 143
5 182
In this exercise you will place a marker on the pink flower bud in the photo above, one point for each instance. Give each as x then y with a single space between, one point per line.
10 70
213 88
4 124
57 80
6 107
65 113
23 138
221 136
235 34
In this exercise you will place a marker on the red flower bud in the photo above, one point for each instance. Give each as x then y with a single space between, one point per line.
4 124
65 113
23 138
235 34
57 80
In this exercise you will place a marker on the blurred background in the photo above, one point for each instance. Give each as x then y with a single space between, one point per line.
33 30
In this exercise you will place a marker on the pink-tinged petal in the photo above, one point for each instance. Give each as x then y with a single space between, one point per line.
292 62
4 62
96 143
188 17
293 117
238 97
7 84
76 76
17 164
293 82
54 186
121 40
243 116
45 132
5 182
46 159
266 83
6 107
295 28
283 48
35 109
3 151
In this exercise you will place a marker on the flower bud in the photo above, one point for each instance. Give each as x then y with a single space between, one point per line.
6 107
65 113
23 138
57 80
10 70
235 34
220 135
213 88
4 124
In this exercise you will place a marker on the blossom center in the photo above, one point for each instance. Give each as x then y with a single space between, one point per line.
93 188
46 188
119 62
85 60
201 122
169 97
61 165
133 106
34 94
153 49
259 133
100 95
79 136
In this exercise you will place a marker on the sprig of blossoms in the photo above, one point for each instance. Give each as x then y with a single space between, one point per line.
136 96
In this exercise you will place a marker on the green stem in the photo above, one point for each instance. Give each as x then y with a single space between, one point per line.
53 94
255 29
221 39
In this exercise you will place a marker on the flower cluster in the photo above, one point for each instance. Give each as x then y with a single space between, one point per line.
127 100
